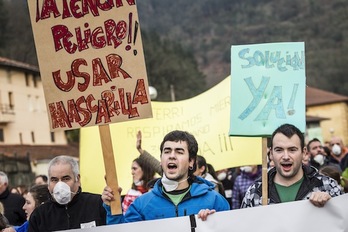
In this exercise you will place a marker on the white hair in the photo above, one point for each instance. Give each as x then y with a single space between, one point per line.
64 160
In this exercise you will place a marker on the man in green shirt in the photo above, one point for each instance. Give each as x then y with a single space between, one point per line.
289 180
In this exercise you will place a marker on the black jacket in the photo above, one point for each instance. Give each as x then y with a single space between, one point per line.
83 210
312 182
13 204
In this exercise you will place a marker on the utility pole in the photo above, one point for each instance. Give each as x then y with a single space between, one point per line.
172 92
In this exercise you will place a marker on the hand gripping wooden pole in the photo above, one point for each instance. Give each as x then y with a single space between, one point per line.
264 172
110 167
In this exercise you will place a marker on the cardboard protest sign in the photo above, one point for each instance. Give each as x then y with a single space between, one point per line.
206 116
91 62
267 88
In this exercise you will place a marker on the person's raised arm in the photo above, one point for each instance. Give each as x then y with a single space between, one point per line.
138 144
147 157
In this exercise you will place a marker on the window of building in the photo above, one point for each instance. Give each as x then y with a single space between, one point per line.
53 138
30 103
20 138
37 104
10 100
27 79
2 138
33 137
8 75
35 80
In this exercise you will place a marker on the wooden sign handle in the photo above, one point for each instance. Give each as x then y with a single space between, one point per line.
110 167
264 172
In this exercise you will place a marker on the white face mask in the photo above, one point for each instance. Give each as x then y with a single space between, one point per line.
319 159
170 185
336 150
246 169
222 176
138 182
62 193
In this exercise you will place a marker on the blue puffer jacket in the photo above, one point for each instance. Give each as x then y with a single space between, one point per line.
156 205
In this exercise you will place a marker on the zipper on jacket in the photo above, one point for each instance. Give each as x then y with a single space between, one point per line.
176 211
67 214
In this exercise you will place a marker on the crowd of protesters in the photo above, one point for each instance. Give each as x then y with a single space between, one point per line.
181 183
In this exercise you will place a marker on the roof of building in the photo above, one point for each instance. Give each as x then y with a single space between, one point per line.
39 152
18 65
310 118
316 97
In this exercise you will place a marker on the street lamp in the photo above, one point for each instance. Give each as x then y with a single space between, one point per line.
153 92
172 93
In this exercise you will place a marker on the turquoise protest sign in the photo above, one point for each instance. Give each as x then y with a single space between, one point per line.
268 84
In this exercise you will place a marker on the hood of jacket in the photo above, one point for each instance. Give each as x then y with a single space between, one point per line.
5 194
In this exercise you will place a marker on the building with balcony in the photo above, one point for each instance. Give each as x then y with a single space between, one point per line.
25 133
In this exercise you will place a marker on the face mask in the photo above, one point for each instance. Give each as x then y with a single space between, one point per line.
222 176
336 150
319 159
246 169
170 185
138 182
62 193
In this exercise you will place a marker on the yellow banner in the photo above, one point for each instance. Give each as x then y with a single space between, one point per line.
206 116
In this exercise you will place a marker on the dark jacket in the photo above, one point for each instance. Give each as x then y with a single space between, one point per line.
312 182
13 204
85 209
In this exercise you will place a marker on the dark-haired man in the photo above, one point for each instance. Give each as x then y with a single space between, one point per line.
289 180
316 153
178 192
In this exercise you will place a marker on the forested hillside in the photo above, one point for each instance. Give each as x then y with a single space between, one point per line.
208 28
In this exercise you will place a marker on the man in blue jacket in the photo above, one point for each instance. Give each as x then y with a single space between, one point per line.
178 192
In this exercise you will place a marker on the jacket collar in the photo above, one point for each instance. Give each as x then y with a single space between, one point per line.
5 193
